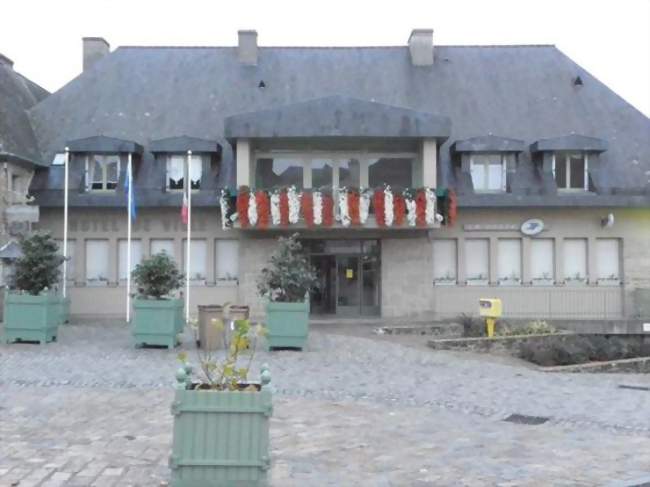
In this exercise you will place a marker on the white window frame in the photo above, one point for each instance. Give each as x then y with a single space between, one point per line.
567 157
136 256
546 279
229 279
447 280
335 157
612 279
482 279
102 280
486 171
509 280
102 157
201 279
186 176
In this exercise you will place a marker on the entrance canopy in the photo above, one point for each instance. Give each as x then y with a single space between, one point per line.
337 116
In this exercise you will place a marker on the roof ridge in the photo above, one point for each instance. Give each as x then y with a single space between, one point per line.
488 46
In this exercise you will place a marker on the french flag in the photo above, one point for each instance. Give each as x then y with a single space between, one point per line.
184 209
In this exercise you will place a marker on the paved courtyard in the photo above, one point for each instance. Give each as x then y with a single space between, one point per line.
91 410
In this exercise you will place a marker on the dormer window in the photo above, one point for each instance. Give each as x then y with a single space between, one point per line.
570 170
176 164
102 172
489 172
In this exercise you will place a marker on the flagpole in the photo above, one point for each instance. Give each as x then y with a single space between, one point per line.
66 163
188 188
128 239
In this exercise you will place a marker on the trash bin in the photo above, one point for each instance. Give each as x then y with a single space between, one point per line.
209 337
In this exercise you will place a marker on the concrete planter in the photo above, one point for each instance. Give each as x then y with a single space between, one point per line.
31 318
287 325
221 438
157 321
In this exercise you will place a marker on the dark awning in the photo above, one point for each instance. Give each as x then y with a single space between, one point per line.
337 116
488 143
570 142
184 143
100 144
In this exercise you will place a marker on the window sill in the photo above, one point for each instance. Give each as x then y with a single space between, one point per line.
444 283
542 282
608 282
477 282
96 283
226 283
509 282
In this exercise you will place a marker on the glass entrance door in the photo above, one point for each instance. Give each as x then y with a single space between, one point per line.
348 277
348 285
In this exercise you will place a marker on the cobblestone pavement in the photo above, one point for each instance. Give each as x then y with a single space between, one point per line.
92 410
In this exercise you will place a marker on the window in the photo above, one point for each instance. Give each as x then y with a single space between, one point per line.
70 268
349 173
608 259
397 172
198 259
97 257
542 260
102 172
444 261
278 172
488 172
575 260
227 259
136 256
570 171
322 173
176 171
509 261
477 260
162 245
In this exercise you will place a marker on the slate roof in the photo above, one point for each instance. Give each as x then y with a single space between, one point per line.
337 116
525 93
17 95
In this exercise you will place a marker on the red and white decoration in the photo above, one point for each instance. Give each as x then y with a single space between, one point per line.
415 208
225 209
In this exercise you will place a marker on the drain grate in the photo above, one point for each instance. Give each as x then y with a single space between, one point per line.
525 419
634 388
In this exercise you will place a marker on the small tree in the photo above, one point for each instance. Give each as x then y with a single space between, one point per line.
289 276
38 269
157 276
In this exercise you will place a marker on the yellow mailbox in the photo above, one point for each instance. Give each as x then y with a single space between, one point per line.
490 308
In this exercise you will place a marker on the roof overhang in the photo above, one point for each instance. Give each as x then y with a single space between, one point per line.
570 142
11 250
337 116
101 144
20 160
184 143
488 143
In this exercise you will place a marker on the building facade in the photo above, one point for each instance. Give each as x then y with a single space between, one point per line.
537 176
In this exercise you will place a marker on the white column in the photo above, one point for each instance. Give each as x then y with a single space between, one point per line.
65 220
243 162
429 163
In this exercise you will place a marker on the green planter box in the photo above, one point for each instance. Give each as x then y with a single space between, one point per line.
157 322
63 305
221 438
31 318
287 325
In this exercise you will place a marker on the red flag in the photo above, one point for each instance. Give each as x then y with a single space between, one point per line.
184 210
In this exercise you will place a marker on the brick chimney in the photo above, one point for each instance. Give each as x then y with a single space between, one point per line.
421 47
247 47
5 61
94 49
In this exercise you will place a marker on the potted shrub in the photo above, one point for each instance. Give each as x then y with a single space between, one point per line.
576 280
285 283
158 316
221 419
610 280
32 311
511 280
446 280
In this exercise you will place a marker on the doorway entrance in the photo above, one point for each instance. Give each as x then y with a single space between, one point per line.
348 277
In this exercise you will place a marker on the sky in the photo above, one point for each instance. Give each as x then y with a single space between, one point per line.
608 38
